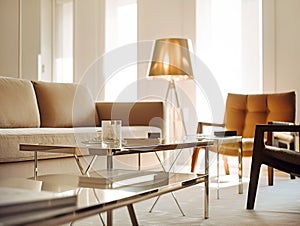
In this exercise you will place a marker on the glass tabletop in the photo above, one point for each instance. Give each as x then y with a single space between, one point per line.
97 148
115 186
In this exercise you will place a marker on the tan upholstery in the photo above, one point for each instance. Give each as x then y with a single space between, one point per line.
244 112
65 105
18 111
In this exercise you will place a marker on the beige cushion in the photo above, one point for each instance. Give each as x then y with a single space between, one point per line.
10 140
18 104
65 105
232 149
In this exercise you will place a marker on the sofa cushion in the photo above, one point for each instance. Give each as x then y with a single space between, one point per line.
10 139
18 104
65 105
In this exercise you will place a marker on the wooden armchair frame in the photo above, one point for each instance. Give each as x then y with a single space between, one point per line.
279 158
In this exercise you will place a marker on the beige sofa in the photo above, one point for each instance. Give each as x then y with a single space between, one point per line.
61 113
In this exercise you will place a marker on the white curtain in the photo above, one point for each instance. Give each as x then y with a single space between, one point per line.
229 43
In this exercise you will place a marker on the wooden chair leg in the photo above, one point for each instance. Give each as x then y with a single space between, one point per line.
292 147
225 162
270 176
194 159
252 189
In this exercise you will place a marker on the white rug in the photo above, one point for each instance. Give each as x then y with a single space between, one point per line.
275 205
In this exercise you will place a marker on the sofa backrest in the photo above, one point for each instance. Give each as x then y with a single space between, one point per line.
65 105
18 104
33 104
243 112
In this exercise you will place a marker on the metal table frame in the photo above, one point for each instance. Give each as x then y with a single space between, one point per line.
229 139
109 153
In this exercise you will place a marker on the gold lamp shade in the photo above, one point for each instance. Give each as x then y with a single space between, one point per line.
171 59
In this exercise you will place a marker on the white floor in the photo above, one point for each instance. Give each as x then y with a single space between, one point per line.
275 205
191 199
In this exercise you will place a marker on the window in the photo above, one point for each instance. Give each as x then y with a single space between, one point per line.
228 42
63 41
121 29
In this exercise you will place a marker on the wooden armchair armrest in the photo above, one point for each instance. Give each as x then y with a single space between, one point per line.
202 124
279 158
261 129
281 137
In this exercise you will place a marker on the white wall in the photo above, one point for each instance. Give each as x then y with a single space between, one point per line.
30 38
281 47
251 49
164 19
20 38
88 34
25 42
9 38
228 38
167 18
46 40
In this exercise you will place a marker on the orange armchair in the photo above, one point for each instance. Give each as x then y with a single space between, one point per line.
243 113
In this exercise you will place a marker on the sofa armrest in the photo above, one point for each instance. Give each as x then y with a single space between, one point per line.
133 113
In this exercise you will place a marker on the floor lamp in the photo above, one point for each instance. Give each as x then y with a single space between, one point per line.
171 60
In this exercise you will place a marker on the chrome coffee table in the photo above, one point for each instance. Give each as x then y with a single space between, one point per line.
131 193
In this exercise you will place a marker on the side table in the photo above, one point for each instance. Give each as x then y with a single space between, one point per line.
218 141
